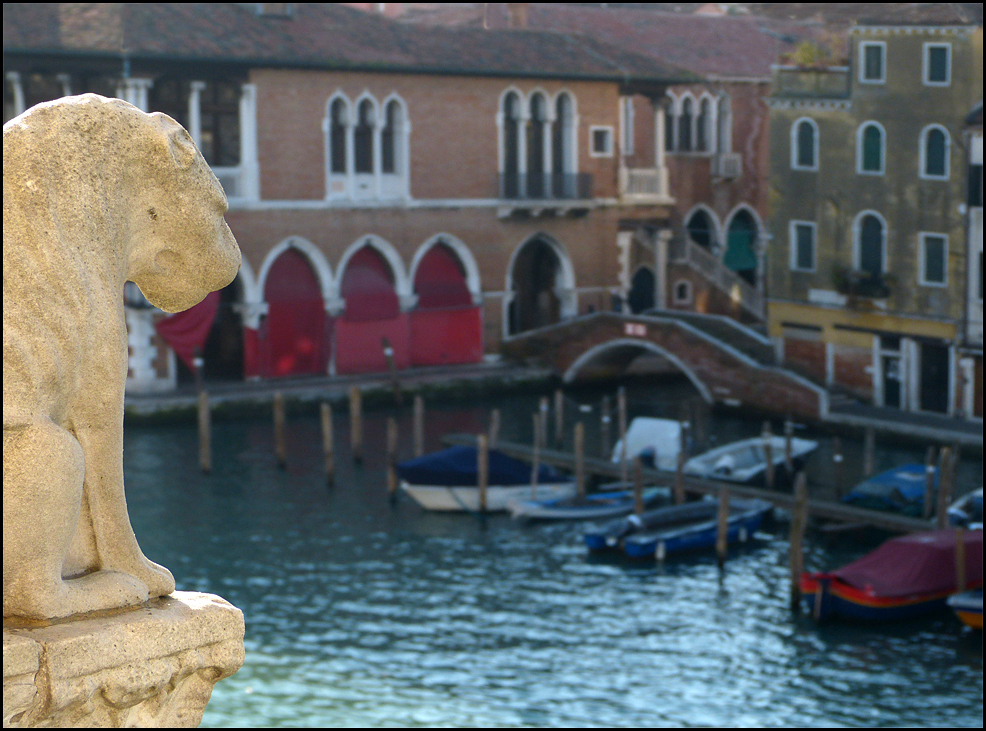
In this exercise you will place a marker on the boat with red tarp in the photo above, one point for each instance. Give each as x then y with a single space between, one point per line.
905 577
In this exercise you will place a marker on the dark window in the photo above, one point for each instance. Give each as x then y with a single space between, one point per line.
387 152
364 137
171 97
700 229
873 62
220 105
871 246
975 186
337 136
804 242
806 145
702 130
937 64
935 250
935 153
669 130
872 141
511 140
602 141
685 127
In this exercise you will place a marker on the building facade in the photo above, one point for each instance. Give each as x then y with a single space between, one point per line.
397 192
869 216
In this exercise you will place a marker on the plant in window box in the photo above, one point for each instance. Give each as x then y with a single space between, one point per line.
857 284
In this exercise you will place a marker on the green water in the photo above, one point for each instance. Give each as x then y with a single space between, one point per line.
363 613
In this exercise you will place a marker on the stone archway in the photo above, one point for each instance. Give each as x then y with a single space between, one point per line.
541 286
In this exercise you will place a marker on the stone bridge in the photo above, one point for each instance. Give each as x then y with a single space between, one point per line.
727 362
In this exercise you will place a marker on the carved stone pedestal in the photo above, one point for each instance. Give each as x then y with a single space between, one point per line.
152 666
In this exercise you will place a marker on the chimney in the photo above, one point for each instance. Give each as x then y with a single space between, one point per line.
517 15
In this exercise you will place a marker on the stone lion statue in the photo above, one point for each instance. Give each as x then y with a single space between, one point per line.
95 193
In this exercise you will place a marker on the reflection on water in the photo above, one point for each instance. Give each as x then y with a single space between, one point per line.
362 613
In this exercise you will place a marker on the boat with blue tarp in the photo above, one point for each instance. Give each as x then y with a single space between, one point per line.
448 480
900 490
599 506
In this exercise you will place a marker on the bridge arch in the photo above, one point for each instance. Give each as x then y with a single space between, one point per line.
640 345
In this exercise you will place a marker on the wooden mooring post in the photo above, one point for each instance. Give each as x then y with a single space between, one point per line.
328 443
388 353
280 443
638 486
960 583
559 418
604 423
838 468
945 475
419 425
722 526
799 521
929 483
483 471
391 456
205 433
768 451
356 423
679 480
536 456
621 407
579 439
869 449
788 450
494 428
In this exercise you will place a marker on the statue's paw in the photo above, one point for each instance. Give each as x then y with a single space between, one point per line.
158 579
94 592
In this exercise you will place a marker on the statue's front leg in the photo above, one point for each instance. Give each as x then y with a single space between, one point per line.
116 544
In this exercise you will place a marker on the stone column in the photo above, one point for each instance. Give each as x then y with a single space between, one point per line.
662 242
153 666
249 164
17 87
195 112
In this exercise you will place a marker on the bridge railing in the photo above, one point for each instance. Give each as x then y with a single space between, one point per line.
685 251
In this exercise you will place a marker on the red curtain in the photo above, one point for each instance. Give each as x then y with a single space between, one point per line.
446 327
187 331
440 281
368 288
296 334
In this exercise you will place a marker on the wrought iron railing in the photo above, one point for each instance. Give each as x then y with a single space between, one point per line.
545 186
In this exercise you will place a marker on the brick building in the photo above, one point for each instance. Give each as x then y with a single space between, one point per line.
433 190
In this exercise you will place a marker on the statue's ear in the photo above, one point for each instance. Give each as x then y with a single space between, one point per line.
179 142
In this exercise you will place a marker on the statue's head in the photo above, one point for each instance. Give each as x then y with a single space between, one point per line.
181 247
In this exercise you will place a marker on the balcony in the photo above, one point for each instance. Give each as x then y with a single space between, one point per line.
829 82
535 193
863 288
646 186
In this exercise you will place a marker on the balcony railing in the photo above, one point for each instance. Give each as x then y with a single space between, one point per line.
644 185
547 186
863 285
827 83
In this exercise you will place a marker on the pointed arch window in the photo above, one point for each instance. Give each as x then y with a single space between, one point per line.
363 136
870 149
669 125
724 125
871 239
338 121
536 164
934 153
703 126
685 125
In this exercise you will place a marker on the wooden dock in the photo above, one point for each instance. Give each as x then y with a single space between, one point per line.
825 509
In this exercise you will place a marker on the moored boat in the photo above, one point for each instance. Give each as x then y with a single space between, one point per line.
611 536
968 606
967 511
591 507
743 521
905 577
900 490
447 480
745 461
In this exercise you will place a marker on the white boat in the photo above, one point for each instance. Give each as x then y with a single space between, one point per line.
660 437
466 499
745 461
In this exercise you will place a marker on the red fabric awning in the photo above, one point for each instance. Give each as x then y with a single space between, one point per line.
189 330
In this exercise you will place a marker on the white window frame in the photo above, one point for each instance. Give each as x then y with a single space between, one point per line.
689 293
793 245
627 115
859 148
592 140
923 153
862 62
926 66
922 260
794 145
857 232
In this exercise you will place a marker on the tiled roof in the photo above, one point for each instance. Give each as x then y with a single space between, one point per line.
846 14
724 46
321 35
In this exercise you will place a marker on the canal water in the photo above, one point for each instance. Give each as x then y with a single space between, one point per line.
360 612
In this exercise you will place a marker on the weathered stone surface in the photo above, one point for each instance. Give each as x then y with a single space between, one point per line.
95 193
154 665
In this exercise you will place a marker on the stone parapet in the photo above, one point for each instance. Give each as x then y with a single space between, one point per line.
153 666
